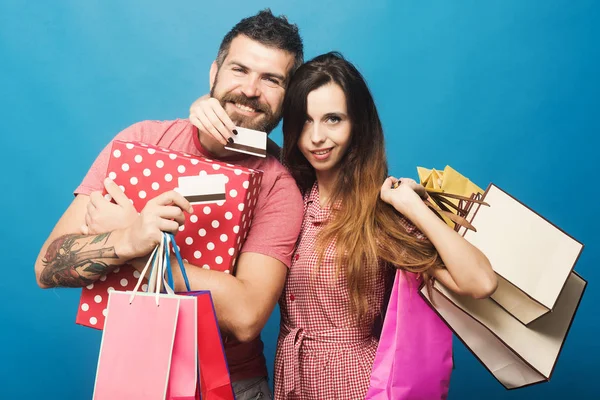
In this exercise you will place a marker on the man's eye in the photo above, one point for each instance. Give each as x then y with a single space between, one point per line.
238 69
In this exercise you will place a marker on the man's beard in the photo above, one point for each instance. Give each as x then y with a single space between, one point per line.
265 122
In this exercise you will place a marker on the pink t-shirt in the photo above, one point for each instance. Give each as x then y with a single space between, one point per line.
275 225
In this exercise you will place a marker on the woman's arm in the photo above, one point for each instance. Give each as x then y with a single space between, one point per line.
468 271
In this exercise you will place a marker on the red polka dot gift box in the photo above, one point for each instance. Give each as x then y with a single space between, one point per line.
211 237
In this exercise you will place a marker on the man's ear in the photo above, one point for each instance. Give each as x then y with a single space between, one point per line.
213 74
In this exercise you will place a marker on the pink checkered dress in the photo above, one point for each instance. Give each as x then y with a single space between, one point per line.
322 352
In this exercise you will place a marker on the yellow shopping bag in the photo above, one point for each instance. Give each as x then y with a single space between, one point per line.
451 195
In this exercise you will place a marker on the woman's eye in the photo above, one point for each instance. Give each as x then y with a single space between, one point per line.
334 119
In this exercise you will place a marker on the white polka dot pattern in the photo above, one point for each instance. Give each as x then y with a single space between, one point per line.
212 235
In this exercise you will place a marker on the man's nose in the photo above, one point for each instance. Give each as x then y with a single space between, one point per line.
251 88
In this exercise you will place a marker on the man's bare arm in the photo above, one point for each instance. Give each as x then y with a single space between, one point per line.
70 259
74 260
78 260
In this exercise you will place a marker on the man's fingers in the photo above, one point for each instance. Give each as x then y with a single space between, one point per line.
182 203
95 199
172 212
166 225
91 208
88 222
116 193
172 198
180 218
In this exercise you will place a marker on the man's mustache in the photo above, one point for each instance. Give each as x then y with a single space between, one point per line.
245 101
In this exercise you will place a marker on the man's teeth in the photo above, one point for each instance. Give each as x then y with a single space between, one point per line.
244 108
322 152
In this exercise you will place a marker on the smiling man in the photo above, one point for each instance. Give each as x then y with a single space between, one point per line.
248 80
251 99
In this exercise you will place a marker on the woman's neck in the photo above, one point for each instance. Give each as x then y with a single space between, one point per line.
326 181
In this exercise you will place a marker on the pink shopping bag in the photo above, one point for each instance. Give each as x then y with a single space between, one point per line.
136 349
414 356
149 343
183 377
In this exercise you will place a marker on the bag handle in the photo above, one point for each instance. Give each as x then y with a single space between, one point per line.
159 263
171 239
151 261
438 201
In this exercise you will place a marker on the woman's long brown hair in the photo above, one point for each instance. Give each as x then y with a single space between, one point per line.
366 229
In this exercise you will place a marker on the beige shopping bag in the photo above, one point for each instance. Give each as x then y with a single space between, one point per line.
519 331
517 355
532 258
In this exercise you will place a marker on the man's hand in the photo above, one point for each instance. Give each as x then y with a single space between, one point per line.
104 216
164 213
210 118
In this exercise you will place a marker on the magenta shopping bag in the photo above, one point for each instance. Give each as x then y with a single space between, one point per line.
414 357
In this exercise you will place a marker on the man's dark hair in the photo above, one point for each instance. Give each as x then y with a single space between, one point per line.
268 30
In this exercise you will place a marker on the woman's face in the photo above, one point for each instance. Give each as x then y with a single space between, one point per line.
326 132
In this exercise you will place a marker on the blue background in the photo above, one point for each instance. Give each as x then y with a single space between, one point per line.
501 90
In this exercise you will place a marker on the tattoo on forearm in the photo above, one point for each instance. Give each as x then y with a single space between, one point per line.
67 264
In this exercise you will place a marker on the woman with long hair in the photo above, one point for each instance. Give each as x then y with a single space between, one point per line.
359 227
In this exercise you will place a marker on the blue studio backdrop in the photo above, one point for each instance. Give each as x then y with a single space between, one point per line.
502 90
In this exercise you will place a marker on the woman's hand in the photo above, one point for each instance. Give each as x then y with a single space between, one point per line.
403 194
207 114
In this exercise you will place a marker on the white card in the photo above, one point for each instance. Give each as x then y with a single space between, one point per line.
249 141
201 189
